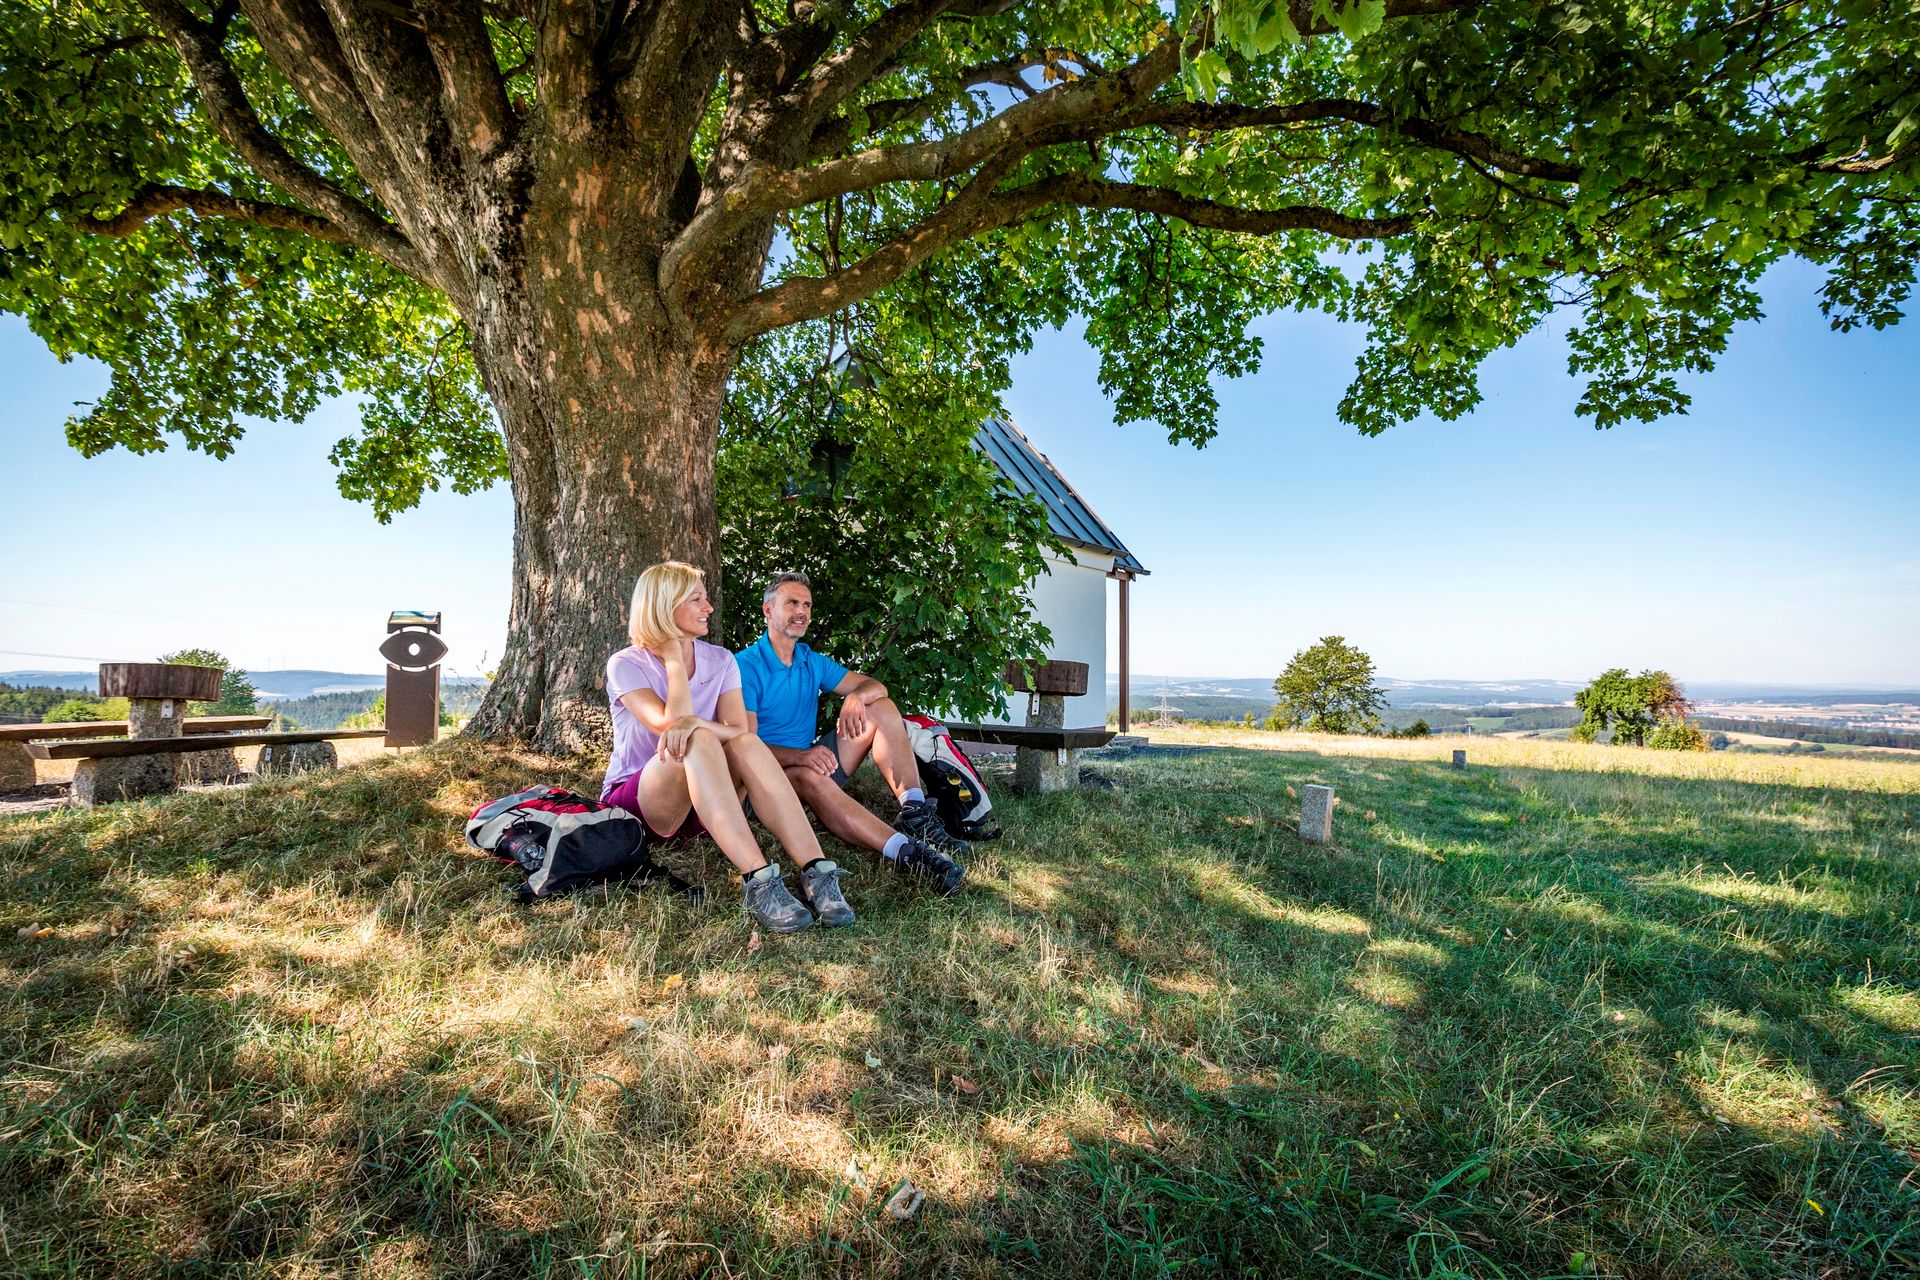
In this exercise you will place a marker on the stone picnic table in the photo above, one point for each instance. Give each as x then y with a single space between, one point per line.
146 757
16 760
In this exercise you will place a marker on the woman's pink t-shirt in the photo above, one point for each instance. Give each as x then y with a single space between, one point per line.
714 672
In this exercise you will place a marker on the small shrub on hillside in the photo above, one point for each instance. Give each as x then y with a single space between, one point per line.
1674 734
85 707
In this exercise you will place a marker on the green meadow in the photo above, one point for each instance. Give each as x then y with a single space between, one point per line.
1570 1011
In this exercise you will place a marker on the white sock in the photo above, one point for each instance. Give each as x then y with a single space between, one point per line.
894 845
912 795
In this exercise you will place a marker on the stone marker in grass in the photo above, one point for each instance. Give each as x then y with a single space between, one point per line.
1316 813
1459 759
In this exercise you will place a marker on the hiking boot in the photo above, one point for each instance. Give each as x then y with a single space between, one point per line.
820 890
923 860
920 820
771 906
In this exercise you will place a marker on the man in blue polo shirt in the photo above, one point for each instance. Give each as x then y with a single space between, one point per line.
781 681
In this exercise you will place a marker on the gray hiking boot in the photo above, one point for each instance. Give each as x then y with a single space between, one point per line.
820 889
771 906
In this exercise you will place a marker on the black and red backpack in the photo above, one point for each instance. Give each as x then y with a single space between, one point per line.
563 842
950 780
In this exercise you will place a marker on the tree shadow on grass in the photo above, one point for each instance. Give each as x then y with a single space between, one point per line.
1523 1022
1494 1029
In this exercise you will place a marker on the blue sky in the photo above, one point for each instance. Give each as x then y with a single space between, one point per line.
1773 534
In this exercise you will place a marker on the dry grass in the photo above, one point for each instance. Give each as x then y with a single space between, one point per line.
1898 773
1580 1010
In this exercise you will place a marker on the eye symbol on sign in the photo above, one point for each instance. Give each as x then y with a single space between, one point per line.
413 650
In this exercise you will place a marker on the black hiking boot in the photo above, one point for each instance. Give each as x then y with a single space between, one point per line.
772 907
920 820
923 860
820 890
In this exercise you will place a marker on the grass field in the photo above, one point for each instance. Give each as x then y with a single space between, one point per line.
1572 1011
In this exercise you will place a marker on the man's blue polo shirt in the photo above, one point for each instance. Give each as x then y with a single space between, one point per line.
786 698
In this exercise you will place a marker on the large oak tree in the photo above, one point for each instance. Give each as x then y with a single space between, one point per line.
542 238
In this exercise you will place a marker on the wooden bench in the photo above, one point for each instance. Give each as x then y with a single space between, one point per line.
16 762
1036 737
123 768
1046 752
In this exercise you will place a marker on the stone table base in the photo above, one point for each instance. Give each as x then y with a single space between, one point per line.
16 767
210 766
281 759
122 778
1036 771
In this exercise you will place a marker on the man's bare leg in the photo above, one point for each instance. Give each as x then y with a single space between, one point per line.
852 822
839 813
886 739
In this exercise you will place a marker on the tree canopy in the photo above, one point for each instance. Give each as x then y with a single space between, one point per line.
1632 707
545 240
1328 688
238 697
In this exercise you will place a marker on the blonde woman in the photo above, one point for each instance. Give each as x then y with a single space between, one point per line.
683 754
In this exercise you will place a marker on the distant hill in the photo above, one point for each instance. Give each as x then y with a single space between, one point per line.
272 685
1466 694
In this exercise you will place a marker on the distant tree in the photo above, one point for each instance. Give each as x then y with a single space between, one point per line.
1719 742
1630 707
1418 729
1249 721
238 697
1328 688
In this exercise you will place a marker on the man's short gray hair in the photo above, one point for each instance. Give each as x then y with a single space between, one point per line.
780 580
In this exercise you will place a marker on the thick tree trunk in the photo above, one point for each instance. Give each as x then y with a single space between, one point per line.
611 447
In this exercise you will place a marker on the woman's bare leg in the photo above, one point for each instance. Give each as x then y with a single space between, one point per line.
774 802
701 782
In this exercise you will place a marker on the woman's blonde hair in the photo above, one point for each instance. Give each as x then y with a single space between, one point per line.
661 589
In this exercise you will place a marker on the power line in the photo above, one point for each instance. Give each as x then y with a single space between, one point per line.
71 657
131 613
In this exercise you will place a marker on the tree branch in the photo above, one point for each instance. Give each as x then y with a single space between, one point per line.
157 199
233 117
1858 165
761 190
470 78
835 79
834 134
979 209
657 64
563 59
1205 117
1094 193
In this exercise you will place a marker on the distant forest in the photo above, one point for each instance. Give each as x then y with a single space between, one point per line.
1812 732
29 704
331 710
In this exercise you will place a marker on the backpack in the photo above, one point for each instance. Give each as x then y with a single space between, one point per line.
950 780
563 842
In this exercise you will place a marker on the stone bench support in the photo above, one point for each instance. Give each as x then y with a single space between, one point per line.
295 757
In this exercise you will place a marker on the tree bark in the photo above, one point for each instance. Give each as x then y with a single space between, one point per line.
610 442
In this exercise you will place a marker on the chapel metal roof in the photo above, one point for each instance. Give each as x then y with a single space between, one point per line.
1068 515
